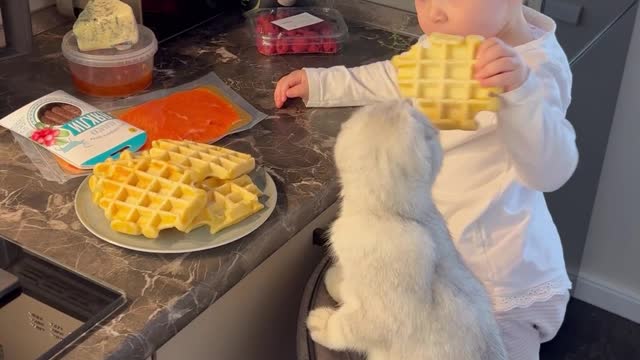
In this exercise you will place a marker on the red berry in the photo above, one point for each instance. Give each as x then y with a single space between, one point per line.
299 45
270 29
314 47
266 48
329 46
308 33
282 46
263 19
269 50
56 132
40 141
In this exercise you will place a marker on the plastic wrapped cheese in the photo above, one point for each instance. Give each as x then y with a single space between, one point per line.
105 24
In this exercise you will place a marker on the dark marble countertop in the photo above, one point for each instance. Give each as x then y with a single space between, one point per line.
166 292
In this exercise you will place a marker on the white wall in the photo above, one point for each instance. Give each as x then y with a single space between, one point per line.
609 276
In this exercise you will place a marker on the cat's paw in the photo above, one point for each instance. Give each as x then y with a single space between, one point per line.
333 281
317 323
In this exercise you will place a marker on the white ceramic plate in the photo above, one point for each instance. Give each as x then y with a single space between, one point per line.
172 240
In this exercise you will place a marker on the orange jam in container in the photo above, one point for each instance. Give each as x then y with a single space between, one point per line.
112 72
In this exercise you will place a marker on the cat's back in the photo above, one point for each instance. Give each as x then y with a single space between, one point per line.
383 239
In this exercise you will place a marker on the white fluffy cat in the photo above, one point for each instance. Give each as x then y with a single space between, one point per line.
403 290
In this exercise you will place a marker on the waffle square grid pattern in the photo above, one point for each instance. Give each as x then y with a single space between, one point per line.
182 185
229 203
207 160
438 76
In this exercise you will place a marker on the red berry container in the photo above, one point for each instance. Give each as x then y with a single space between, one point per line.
325 37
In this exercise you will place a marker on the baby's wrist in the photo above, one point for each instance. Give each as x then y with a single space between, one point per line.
312 77
523 93
524 71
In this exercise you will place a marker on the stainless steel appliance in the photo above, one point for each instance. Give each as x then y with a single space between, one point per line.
45 307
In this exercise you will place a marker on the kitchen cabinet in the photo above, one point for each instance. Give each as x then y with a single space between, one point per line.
597 47
596 18
257 318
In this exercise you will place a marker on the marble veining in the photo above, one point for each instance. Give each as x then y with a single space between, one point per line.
165 292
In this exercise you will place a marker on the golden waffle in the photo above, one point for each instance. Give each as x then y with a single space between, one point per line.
175 184
230 202
146 195
439 78
206 160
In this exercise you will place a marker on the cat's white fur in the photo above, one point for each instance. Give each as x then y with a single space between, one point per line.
403 290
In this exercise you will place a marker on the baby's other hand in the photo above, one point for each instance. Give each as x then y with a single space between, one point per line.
292 85
499 65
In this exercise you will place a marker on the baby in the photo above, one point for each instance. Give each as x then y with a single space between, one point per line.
490 188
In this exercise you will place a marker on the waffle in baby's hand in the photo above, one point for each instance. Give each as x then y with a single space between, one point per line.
439 77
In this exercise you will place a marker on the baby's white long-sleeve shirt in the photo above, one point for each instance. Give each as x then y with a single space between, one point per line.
490 188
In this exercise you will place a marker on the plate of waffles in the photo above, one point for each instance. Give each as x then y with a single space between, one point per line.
176 197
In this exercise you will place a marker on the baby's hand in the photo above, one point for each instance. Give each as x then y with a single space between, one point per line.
292 85
499 65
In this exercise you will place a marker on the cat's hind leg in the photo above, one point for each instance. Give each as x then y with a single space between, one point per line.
326 328
343 329
333 281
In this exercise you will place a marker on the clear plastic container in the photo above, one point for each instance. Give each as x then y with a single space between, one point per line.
327 36
112 72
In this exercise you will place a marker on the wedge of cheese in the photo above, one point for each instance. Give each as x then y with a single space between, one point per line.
105 24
